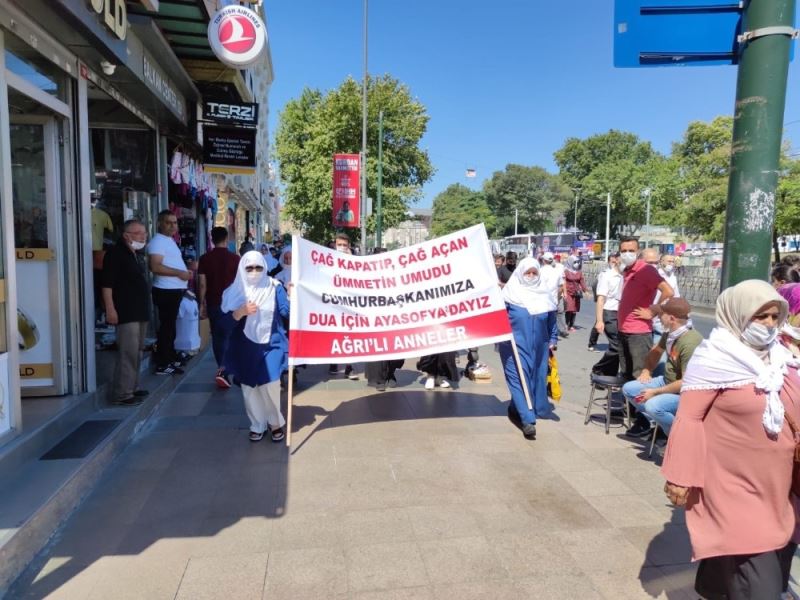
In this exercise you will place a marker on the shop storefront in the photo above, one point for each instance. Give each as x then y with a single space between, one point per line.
89 116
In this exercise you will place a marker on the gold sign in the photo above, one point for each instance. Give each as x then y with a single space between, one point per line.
36 371
114 14
41 254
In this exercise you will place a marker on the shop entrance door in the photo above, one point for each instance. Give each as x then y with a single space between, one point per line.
37 192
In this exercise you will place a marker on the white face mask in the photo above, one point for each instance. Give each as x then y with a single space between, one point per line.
345 249
669 268
254 277
137 245
758 335
627 258
530 279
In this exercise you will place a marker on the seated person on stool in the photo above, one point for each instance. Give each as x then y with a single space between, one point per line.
656 398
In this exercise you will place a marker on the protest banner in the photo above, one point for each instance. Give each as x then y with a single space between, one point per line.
437 296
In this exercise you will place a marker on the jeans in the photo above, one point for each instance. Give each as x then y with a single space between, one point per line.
221 325
660 408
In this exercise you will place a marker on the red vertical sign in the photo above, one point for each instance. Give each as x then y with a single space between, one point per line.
346 194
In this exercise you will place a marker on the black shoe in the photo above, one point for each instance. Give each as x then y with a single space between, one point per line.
392 383
641 428
381 387
141 393
132 401
529 431
168 370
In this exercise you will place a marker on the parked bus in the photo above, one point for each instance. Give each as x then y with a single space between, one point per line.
558 242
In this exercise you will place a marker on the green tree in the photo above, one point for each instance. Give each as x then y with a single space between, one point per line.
459 207
315 126
617 162
537 196
787 214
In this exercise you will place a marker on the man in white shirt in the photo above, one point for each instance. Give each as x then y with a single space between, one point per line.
666 268
170 277
553 277
609 292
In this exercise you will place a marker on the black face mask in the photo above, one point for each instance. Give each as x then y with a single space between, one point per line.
511 264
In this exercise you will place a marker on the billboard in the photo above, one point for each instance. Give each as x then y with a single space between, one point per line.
346 191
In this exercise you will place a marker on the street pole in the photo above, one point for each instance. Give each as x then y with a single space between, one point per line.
756 145
575 220
516 218
364 141
608 222
379 208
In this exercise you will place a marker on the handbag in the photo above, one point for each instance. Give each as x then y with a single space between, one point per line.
795 489
553 380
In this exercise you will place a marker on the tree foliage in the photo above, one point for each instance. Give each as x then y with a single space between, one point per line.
459 207
531 192
315 126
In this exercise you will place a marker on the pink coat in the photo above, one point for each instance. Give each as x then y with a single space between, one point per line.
741 477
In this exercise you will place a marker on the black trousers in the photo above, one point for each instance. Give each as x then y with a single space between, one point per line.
609 362
167 302
745 577
633 351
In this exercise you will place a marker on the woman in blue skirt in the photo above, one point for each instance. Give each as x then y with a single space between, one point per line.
257 350
531 311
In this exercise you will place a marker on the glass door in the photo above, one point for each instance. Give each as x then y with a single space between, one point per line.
36 185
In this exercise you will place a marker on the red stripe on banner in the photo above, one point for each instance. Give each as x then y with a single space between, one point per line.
425 340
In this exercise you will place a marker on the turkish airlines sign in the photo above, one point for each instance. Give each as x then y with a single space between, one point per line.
237 36
438 296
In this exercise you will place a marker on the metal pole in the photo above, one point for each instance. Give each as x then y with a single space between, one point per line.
608 222
757 129
364 141
575 220
647 226
379 208
516 218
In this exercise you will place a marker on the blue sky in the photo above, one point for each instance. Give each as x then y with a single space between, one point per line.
503 82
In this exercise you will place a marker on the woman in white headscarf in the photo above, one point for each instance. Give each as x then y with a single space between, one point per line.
285 261
730 450
531 311
257 349
574 290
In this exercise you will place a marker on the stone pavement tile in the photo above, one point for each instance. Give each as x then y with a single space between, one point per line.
461 559
385 566
184 405
540 485
646 584
496 589
557 587
564 513
531 552
224 577
306 573
644 479
499 518
309 529
592 437
177 535
143 455
138 577
597 482
225 537
440 522
369 469
620 460
73 542
569 458
681 578
515 466
626 511
415 593
670 514
602 551
362 527
61 579
663 545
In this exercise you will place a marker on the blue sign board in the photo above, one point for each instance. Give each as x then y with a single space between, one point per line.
654 33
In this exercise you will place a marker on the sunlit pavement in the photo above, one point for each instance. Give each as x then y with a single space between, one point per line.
405 494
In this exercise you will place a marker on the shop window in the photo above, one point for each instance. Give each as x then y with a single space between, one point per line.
34 68
29 186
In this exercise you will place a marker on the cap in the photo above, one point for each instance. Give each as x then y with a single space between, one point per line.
677 307
547 256
615 254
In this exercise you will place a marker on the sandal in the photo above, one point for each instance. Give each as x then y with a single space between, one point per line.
256 437
277 434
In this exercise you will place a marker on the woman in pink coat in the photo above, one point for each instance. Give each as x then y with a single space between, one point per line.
730 451
575 288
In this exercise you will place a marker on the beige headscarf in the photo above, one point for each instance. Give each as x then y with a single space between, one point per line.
738 303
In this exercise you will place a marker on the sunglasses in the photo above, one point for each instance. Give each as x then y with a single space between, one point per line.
253 268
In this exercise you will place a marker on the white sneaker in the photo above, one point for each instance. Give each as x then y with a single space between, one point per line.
444 383
429 383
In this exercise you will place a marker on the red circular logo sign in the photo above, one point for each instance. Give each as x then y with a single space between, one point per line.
237 34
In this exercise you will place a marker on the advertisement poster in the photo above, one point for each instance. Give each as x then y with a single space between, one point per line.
34 321
346 190
437 296
229 150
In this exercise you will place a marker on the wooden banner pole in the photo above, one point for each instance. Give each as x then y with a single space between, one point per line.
522 378
290 393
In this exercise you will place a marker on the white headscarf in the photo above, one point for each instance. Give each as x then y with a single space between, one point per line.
285 274
536 297
725 361
257 327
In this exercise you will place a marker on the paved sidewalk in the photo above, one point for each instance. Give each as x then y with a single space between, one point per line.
406 494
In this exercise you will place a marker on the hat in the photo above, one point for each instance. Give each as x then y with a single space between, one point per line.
677 307
547 256
615 254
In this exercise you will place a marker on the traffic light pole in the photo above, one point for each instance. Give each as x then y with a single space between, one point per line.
756 146
379 209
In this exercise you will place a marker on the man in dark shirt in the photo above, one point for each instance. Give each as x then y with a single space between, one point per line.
504 273
216 271
126 299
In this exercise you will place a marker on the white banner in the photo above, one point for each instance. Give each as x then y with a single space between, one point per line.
437 296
